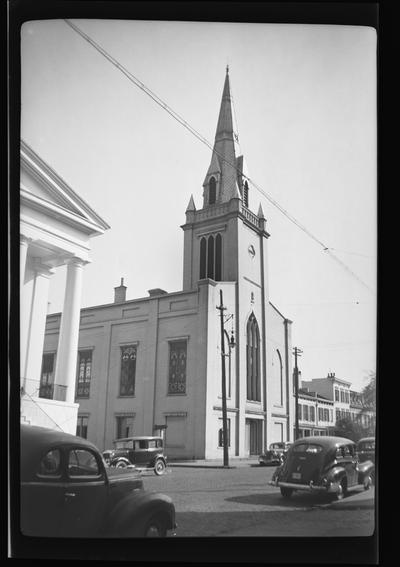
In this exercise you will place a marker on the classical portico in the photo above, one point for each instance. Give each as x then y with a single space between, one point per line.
56 226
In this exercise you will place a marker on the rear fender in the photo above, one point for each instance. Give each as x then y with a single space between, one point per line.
336 474
131 514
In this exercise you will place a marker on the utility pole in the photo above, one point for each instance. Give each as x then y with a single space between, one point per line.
221 309
297 353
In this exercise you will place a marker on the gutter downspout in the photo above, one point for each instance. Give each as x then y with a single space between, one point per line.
264 337
288 424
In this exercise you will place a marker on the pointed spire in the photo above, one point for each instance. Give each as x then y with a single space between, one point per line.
223 161
260 212
191 206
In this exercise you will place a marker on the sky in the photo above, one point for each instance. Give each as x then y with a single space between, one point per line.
305 112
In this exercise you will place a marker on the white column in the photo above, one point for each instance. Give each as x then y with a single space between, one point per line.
36 328
69 329
24 306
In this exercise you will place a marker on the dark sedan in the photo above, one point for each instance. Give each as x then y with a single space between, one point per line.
328 465
66 491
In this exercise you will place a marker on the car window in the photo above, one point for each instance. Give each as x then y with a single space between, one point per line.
153 444
82 463
50 465
367 446
159 443
141 444
339 453
306 448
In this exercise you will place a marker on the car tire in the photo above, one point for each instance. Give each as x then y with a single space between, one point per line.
367 483
155 527
342 490
159 467
286 492
121 465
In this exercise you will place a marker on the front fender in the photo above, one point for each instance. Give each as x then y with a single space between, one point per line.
365 469
131 514
116 460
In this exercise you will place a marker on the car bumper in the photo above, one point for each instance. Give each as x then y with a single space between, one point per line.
332 488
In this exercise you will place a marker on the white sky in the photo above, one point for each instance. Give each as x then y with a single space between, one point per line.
305 103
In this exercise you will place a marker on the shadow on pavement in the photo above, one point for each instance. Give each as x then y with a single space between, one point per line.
300 500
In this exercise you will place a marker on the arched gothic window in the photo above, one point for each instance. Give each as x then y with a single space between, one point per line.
253 360
212 191
211 257
279 377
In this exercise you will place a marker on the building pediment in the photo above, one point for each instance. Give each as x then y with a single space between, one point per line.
44 189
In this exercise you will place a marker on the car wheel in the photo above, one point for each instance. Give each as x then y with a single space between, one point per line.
121 465
367 483
159 467
342 490
286 492
155 527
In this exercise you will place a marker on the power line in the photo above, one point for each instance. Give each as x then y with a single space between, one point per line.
192 130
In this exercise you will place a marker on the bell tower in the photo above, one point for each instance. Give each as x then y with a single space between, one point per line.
212 233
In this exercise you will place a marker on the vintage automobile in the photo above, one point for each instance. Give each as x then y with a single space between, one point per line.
66 491
366 449
139 452
275 455
328 465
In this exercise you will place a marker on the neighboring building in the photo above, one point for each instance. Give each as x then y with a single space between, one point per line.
347 403
56 226
316 414
365 416
332 388
153 364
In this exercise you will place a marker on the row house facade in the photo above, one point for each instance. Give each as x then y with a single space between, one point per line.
324 401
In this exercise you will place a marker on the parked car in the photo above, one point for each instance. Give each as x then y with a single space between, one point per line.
275 455
366 449
366 452
327 465
139 452
66 491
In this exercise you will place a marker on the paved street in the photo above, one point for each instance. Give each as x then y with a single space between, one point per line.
239 502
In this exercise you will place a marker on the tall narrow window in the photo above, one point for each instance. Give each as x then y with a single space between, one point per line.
124 426
253 360
278 375
128 371
84 373
212 192
218 257
82 425
47 376
203 257
246 194
177 367
210 259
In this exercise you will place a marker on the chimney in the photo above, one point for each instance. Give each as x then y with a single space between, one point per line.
120 293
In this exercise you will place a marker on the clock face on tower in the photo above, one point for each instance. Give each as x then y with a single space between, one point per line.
251 250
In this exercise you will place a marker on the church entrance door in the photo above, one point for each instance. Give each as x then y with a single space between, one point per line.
253 437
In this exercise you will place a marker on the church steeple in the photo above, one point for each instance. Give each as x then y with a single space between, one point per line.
221 182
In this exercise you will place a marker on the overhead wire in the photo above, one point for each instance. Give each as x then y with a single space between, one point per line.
193 131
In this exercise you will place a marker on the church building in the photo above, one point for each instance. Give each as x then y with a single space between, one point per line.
153 365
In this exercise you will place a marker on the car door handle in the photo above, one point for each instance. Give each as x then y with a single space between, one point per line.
69 494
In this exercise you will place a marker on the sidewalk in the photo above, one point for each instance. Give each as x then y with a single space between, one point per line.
234 462
356 500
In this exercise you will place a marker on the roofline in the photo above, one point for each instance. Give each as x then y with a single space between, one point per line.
129 301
